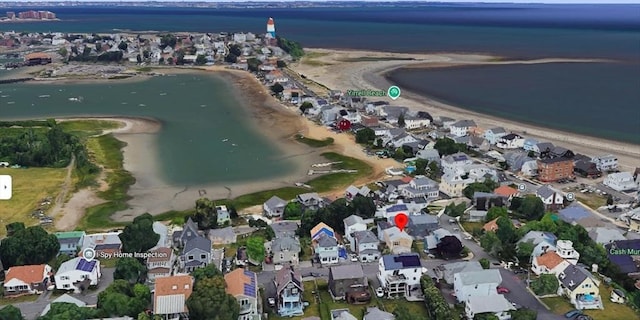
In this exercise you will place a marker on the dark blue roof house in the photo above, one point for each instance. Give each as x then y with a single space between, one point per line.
574 213
618 252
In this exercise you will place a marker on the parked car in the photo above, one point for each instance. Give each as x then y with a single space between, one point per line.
584 317
519 271
379 292
272 302
502 290
354 258
572 313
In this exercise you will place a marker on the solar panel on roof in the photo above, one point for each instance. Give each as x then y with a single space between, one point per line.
250 288
84 265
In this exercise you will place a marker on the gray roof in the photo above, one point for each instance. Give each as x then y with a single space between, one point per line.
480 276
605 235
542 146
422 219
275 202
281 228
201 243
545 191
308 196
288 274
365 237
342 314
424 181
285 244
536 237
463 266
373 313
326 241
498 130
464 123
352 219
224 233
573 276
489 304
65 298
348 271
394 132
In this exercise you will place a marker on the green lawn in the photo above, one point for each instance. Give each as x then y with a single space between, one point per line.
26 298
593 201
313 142
88 127
470 226
313 310
612 311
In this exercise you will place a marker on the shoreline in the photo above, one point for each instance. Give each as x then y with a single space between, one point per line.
371 75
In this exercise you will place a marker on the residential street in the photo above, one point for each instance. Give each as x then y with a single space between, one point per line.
32 310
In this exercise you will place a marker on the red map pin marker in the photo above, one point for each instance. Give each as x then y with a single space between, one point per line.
401 220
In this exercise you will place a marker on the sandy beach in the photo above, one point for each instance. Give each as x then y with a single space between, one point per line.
339 69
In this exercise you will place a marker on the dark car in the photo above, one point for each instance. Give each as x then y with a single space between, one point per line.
584 317
572 313
520 271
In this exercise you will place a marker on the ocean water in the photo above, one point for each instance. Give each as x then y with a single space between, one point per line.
197 113
516 31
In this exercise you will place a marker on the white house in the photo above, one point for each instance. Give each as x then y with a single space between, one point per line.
78 272
160 263
451 162
496 304
352 224
564 248
367 246
30 279
492 135
461 128
399 273
453 184
476 283
606 163
421 186
620 181
550 197
274 207
510 141
223 215
416 123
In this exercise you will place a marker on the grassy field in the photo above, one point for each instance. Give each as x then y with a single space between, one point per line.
593 201
313 142
107 151
470 226
29 187
27 298
84 128
612 311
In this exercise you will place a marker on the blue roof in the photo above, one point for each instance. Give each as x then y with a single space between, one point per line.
397 207
321 231
573 213
250 288
460 157
401 261
84 265
624 261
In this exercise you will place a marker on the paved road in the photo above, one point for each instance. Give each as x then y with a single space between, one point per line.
521 296
32 310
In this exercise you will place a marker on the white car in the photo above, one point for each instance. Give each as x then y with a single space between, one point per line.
379 292
354 258
272 302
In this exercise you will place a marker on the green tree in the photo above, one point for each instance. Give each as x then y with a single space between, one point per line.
401 121
487 185
201 60
170 60
231 58
421 166
139 235
10 313
277 88
379 143
235 50
121 299
253 64
545 284
139 58
363 206
485 263
485 316
365 136
168 40
531 208
524 251
281 64
490 242
496 212
209 271
209 301
32 245
524 314
63 52
59 260
123 46
161 60
14 227
403 314
292 211
130 269
399 154
291 47
436 304
446 146
434 170
455 210
609 200
67 311
306 106
206 215
255 248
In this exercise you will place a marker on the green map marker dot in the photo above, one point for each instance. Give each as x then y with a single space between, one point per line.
393 92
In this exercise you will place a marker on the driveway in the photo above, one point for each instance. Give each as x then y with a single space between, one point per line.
32 310
520 295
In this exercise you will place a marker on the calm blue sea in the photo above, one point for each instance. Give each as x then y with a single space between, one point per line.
522 31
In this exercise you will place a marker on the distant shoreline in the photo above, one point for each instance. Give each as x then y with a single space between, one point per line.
17 20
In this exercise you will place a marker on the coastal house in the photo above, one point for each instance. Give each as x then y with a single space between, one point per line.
494 304
548 263
542 148
434 238
196 254
429 154
222 236
461 128
399 273
516 159
310 201
107 243
391 211
349 283
602 235
289 289
326 249
452 162
402 139
476 283
420 187
510 141
411 123
586 169
381 226
636 177
554 169
530 144
492 135
353 191
397 241
452 184
285 250
446 271
284 228
223 215
170 296
243 285
542 242
188 232
445 122
29 279
321 229
624 254
478 144
564 248
551 198
329 114
373 313
366 246
70 242
620 181
577 214
160 263
581 287
421 225
506 191
78 274
486 200
529 168
352 224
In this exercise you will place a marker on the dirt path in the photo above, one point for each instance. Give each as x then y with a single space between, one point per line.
66 186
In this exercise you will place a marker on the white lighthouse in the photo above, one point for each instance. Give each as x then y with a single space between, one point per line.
271 28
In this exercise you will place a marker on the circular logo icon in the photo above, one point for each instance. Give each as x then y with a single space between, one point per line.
522 187
88 254
393 92
571 196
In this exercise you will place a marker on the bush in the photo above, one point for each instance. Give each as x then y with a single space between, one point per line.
485 263
545 284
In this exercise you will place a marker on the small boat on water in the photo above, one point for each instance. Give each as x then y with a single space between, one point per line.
142 105
225 140
133 92
203 105
44 96
163 94
233 144
11 102
4 95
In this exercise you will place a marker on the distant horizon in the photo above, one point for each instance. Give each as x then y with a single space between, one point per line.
551 2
